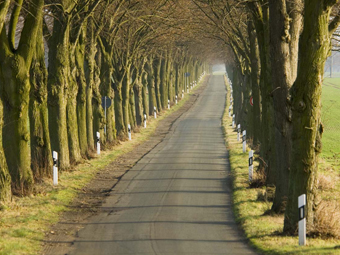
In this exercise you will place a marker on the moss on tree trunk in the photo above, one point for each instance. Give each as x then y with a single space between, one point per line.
306 109
41 155
15 65
82 96
5 177
118 105
57 90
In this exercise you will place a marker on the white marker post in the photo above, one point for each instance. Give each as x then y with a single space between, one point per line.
251 159
176 99
244 140
55 168
238 132
229 111
169 104
233 125
129 131
155 112
302 220
144 120
98 143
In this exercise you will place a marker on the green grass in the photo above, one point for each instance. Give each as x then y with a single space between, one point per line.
262 230
331 119
24 221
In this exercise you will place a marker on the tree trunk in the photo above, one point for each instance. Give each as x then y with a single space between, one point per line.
72 123
284 36
138 101
90 72
157 69
15 65
306 109
118 105
126 98
5 177
57 89
82 96
267 160
151 86
106 88
145 95
255 77
41 155
132 108
98 112
163 85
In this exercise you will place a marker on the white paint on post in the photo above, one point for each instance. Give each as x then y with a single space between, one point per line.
98 143
176 99
233 125
302 219
244 140
55 168
238 132
251 159
144 120
155 112
129 131
169 104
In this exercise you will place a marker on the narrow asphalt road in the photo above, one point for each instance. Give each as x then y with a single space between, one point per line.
177 198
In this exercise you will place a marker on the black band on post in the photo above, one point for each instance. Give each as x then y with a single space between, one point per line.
301 213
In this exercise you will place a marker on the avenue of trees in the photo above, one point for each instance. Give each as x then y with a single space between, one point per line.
58 59
278 50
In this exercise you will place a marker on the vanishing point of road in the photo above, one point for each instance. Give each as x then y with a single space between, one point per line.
177 198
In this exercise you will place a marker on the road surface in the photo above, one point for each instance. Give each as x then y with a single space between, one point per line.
177 198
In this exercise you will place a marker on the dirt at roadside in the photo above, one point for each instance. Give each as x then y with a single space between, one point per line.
89 200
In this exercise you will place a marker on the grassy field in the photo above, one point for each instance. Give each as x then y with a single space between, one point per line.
262 230
331 119
24 221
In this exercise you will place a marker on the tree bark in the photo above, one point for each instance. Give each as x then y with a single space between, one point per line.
90 77
126 97
41 154
5 177
285 26
57 90
306 109
118 105
15 66
145 95
82 94
157 69
151 85
255 77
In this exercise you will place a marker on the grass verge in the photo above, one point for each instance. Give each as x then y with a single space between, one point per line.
263 231
24 221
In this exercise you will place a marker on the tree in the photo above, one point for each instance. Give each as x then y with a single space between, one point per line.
15 66
285 27
306 109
